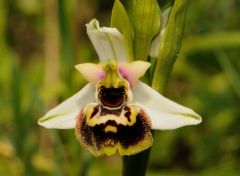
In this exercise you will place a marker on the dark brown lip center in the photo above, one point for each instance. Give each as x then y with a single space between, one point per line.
112 97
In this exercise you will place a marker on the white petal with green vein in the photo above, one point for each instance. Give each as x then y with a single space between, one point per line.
64 115
164 113
108 42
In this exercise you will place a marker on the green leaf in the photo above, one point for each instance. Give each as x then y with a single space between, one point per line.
171 40
145 17
121 21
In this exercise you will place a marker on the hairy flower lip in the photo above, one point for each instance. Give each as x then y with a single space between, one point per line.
116 134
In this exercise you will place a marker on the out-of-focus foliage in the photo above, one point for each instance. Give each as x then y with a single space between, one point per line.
36 73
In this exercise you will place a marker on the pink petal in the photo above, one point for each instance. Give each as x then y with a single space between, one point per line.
133 71
91 72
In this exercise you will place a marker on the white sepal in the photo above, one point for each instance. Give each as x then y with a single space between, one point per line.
108 42
64 115
164 113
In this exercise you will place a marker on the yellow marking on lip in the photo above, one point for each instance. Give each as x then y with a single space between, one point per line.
121 119
110 128
131 150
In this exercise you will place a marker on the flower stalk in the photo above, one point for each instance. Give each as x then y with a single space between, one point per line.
136 164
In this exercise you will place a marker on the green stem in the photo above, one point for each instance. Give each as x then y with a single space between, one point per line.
136 164
87 160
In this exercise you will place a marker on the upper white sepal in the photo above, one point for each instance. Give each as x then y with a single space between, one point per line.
108 42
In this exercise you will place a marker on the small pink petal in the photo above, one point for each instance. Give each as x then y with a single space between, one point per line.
133 71
91 72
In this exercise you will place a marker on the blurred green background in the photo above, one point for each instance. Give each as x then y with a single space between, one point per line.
41 41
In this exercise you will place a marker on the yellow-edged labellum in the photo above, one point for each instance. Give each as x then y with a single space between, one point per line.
127 134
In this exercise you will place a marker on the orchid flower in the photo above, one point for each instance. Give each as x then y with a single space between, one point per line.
115 112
